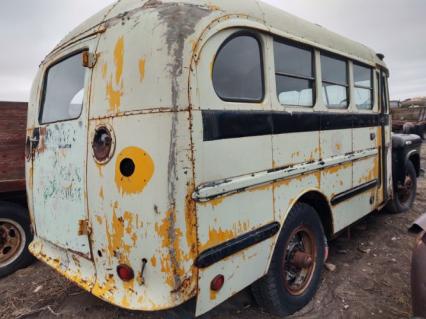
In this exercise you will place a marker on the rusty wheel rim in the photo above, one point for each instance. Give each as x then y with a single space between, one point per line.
299 260
405 189
12 241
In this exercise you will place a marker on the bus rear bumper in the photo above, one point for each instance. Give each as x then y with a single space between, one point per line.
82 272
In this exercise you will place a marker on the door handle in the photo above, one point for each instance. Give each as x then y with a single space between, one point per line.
372 136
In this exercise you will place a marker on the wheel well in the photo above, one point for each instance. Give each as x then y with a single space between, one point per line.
320 204
415 159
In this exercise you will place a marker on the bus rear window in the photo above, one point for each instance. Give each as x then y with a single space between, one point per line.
63 90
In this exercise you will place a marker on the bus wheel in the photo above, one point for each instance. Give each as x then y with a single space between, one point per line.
15 236
294 274
405 192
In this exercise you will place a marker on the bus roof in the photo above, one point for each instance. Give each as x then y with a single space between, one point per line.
273 19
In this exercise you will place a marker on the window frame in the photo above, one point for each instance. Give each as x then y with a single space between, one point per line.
371 88
348 82
295 76
44 86
259 41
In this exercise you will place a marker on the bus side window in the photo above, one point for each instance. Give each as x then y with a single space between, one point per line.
294 74
238 69
363 81
335 84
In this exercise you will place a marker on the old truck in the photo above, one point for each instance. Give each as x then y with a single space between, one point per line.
410 117
15 230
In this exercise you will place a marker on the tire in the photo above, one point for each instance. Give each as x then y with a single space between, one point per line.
402 202
15 236
272 292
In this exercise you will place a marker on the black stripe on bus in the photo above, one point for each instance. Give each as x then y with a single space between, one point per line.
353 192
220 124
215 254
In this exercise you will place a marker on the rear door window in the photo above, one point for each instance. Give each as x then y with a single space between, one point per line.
63 90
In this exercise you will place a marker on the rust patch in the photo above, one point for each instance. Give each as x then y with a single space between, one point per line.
170 240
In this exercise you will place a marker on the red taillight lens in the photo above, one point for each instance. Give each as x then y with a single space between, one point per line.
217 283
125 272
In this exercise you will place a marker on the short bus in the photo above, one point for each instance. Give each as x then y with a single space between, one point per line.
181 149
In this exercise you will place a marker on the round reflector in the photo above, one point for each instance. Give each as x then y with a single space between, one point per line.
125 272
217 283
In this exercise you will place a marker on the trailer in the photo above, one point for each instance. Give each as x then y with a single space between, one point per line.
15 229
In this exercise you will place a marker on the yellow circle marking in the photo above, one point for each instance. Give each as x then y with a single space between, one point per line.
144 169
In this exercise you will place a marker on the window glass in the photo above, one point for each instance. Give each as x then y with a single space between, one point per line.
292 60
237 71
335 96
64 90
334 70
294 74
362 76
334 82
293 91
363 98
363 87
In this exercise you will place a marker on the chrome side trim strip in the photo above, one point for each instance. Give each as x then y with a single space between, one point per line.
207 191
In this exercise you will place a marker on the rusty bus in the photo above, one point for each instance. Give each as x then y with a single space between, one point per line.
183 149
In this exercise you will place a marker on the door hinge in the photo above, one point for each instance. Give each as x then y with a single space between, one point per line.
89 59
84 227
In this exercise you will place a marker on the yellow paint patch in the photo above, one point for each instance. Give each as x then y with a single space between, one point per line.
99 219
114 89
171 261
143 172
104 70
105 290
213 295
121 227
141 69
114 97
153 261
337 168
216 237
101 193
118 59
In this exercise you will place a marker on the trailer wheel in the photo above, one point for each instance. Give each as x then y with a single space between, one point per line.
294 274
15 236
405 192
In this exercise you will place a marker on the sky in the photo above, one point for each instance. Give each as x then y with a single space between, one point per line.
396 28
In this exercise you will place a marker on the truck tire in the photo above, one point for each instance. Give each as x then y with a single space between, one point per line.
404 193
15 236
294 274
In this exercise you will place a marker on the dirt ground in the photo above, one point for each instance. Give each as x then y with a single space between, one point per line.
371 280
